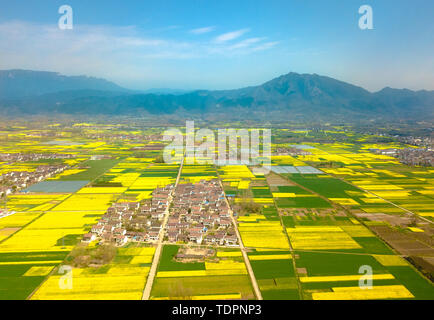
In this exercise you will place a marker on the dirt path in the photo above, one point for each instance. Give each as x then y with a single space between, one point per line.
153 271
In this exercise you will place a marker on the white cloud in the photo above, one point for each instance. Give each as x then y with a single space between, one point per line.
37 42
246 43
265 46
121 53
231 35
202 30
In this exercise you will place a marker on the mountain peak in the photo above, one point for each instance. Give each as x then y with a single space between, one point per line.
291 94
18 83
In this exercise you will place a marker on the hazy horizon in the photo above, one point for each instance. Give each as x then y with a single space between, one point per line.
222 44
209 89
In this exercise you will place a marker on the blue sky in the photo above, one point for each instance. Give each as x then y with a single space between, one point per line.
210 44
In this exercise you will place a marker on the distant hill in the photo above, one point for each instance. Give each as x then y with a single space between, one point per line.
25 83
166 91
296 96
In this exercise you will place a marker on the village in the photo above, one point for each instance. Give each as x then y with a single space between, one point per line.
410 156
198 214
16 180
132 221
21 157
417 157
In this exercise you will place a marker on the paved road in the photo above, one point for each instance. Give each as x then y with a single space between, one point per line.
243 250
157 255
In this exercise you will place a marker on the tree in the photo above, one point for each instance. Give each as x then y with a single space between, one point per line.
4 199
247 205
159 159
82 256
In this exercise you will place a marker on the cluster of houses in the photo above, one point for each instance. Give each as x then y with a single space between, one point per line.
200 214
416 157
149 147
20 157
16 180
387 152
186 254
130 137
4 213
284 151
132 221
410 156
424 142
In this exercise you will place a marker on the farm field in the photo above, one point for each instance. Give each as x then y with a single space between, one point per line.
50 218
307 225
122 279
22 272
315 211
275 274
319 235
195 173
170 153
381 179
221 276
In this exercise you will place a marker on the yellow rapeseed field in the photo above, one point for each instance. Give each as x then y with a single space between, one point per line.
356 293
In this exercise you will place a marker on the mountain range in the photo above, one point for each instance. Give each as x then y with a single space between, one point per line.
296 96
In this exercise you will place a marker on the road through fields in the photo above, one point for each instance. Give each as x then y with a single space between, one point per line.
152 272
242 248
